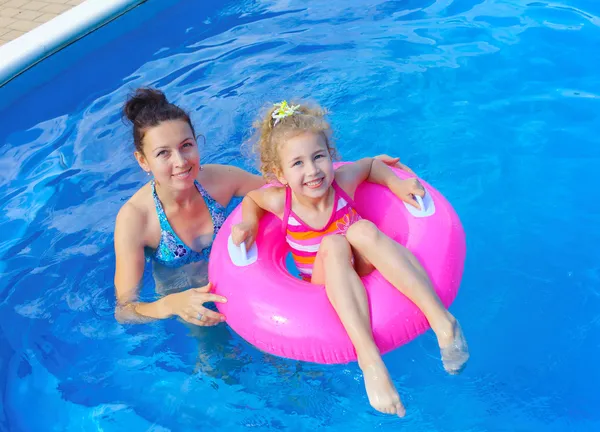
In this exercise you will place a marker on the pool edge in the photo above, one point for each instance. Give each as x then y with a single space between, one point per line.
34 46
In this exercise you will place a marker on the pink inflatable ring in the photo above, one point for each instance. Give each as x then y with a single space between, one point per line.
285 316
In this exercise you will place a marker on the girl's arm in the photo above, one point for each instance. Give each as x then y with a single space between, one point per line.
376 171
406 190
394 162
254 205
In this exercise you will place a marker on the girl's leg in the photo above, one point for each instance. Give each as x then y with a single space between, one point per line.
347 294
400 267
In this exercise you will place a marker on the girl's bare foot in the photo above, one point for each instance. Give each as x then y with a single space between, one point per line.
453 345
381 391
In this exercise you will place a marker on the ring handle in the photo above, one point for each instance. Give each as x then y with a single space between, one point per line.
426 203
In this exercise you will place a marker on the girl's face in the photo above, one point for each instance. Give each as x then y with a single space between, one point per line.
171 154
306 165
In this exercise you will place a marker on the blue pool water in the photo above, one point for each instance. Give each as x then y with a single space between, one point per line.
495 102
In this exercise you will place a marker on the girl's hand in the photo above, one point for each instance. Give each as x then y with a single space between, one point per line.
393 162
407 189
244 232
189 306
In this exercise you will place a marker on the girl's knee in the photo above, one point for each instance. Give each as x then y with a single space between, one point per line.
363 232
335 246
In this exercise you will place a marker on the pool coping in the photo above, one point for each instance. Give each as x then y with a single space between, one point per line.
34 46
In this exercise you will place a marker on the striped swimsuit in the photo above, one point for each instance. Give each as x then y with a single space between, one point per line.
304 241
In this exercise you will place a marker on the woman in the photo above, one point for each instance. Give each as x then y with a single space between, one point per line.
173 219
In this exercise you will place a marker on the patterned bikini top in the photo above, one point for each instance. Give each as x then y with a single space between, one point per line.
171 250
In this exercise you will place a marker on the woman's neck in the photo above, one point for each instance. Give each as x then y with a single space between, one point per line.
172 198
319 204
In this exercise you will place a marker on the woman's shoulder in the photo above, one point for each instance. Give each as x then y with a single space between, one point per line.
220 174
223 182
214 180
133 215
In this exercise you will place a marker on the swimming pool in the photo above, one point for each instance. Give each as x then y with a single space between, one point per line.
495 102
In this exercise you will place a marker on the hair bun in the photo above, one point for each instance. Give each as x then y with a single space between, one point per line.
142 99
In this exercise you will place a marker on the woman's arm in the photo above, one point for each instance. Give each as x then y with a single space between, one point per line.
247 182
129 252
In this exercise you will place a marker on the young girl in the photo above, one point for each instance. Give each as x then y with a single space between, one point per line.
331 243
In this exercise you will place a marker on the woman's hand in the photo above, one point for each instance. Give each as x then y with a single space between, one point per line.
189 306
244 232
393 162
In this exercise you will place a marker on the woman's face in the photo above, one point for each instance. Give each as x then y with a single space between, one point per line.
171 154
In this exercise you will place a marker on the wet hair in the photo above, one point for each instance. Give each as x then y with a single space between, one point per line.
270 135
147 108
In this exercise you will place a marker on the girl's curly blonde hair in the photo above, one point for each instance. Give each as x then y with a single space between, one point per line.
271 133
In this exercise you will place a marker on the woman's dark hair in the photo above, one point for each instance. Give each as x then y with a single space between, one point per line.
149 107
